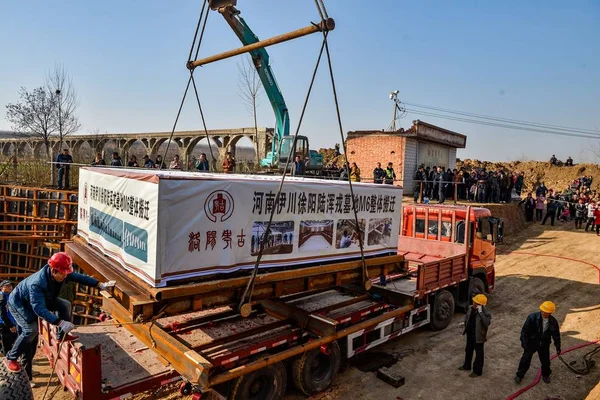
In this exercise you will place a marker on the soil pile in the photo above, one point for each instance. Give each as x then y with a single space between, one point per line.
554 177
330 157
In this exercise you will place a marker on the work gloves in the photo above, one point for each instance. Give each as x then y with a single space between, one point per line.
66 326
106 285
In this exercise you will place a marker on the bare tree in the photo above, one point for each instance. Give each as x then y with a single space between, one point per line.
249 87
34 115
60 85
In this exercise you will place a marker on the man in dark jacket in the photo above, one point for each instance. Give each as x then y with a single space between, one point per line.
63 160
440 179
418 183
378 174
539 329
542 189
519 183
37 297
477 321
8 330
529 207
550 210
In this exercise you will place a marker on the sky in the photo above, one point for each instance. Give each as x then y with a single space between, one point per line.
535 61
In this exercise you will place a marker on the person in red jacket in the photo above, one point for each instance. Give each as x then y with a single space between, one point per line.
597 220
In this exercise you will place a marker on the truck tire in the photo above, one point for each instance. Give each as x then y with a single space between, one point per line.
443 310
315 370
268 383
14 386
476 286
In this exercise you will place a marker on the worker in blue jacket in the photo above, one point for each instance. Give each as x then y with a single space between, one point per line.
8 328
37 296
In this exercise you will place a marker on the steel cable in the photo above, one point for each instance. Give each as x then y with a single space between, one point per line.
250 285
339 118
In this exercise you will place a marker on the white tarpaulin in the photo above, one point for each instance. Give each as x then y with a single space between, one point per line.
173 225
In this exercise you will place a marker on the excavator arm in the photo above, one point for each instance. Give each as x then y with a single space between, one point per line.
260 58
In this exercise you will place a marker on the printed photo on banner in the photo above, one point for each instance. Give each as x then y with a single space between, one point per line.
380 231
315 235
279 240
347 232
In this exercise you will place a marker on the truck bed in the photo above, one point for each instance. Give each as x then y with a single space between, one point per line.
124 358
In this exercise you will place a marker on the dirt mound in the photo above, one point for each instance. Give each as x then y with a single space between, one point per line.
513 216
554 177
329 157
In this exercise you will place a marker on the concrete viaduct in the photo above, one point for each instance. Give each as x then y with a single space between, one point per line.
225 139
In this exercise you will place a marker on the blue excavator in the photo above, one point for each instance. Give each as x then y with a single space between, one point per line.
282 142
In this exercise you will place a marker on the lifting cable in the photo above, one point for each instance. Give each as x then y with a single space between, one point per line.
195 43
250 285
323 12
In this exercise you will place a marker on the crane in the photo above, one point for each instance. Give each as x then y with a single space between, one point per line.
282 142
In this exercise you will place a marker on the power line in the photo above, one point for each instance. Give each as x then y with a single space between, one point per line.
499 125
508 120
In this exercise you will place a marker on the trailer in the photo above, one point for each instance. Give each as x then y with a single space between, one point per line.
301 324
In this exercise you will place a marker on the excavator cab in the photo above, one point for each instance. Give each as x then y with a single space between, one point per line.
288 150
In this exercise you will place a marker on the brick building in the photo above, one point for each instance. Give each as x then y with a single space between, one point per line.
423 143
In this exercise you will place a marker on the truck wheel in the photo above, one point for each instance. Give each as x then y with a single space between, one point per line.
476 286
14 386
315 370
267 383
443 310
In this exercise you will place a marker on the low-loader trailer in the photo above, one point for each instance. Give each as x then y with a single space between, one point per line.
301 321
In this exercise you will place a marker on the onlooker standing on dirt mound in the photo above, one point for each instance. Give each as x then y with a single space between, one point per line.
591 207
539 330
542 189
539 207
476 324
529 207
580 211
551 206
597 218
519 183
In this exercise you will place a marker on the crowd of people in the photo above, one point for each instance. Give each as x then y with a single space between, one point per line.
200 164
477 185
558 163
577 202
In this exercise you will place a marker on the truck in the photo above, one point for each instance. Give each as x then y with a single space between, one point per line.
301 323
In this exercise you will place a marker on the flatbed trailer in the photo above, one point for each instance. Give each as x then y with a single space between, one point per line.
303 321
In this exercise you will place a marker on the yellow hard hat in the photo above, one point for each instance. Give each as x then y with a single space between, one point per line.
548 307
480 299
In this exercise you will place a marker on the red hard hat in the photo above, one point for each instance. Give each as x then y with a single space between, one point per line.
61 262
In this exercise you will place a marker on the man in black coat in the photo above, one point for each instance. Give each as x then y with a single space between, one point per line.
539 330
418 183
476 324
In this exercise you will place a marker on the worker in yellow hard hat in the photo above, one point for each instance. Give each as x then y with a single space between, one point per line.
539 329
476 325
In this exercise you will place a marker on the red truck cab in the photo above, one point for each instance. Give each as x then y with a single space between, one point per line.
438 231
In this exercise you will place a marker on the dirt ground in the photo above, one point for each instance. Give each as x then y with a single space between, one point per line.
523 282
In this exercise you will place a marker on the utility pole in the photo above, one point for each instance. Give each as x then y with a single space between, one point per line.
399 110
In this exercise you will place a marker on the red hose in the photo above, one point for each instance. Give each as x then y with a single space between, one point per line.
554 256
539 372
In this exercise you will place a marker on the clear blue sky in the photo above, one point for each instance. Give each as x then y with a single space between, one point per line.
533 60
